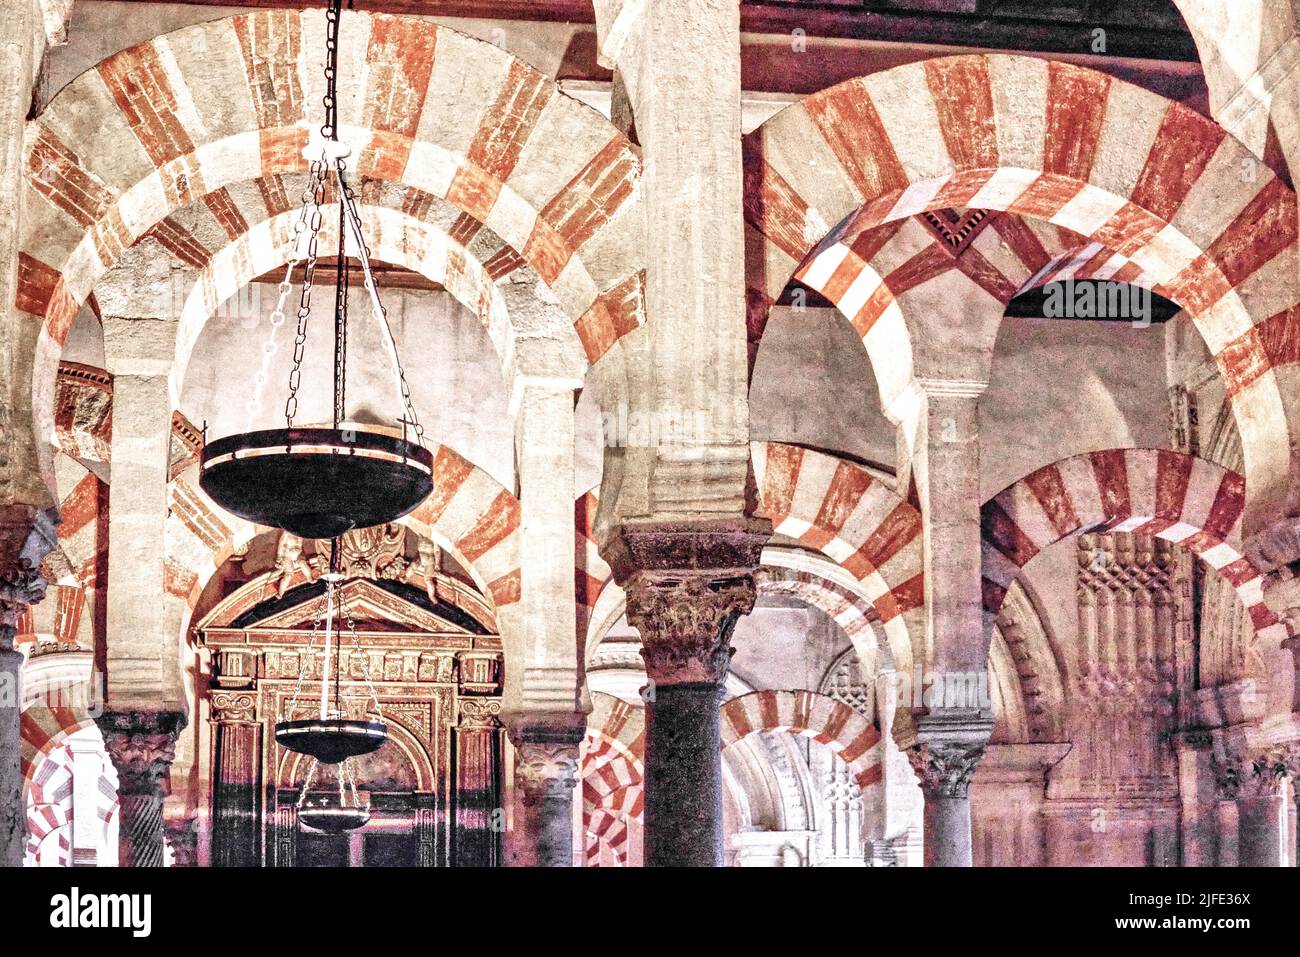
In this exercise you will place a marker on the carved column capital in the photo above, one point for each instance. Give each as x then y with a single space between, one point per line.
20 586
945 770
545 770
947 751
1259 775
685 623
479 713
234 707
142 746
546 756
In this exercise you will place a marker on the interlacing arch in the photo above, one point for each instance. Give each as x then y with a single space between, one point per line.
838 508
853 738
392 235
887 275
612 764
612 773
1171 495
1123 167
170 121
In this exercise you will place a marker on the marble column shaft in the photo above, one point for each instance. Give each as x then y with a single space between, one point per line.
685 623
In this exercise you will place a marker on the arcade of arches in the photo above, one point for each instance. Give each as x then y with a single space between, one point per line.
782 514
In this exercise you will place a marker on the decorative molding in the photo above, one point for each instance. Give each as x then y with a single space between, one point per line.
955 229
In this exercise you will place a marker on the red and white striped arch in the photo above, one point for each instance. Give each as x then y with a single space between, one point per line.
591 572
469 513
1123 167
852 613
49 806
167 122
1171 495
840 509
50 800
612 773
854 739
393 236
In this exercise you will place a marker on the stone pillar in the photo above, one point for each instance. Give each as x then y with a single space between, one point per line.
685 622
678 62
142 745
25 474
87 766
546 773
945 757
236 780
22 549
547 662
945 464
142 644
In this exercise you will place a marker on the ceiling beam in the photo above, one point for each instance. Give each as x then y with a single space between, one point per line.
836 20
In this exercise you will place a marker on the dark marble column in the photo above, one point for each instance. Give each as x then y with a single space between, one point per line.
944 758
142 746
546 774
23 546
685 623
237 780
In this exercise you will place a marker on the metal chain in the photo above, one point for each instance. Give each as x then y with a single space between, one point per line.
349 197
302 669
365 664
316 187
307 782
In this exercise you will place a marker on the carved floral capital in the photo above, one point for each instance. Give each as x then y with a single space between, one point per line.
1260 775
945 769
685 623
20 586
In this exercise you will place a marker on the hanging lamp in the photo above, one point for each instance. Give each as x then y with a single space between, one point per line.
322 482
341 728
333 811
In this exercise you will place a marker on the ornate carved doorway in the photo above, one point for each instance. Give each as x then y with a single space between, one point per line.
429 641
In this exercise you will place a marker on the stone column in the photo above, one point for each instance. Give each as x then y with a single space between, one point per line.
546 773
236 780
1257 785
22 47
142 745
142 654
945 757
679 65
547 662
22 549
685 622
